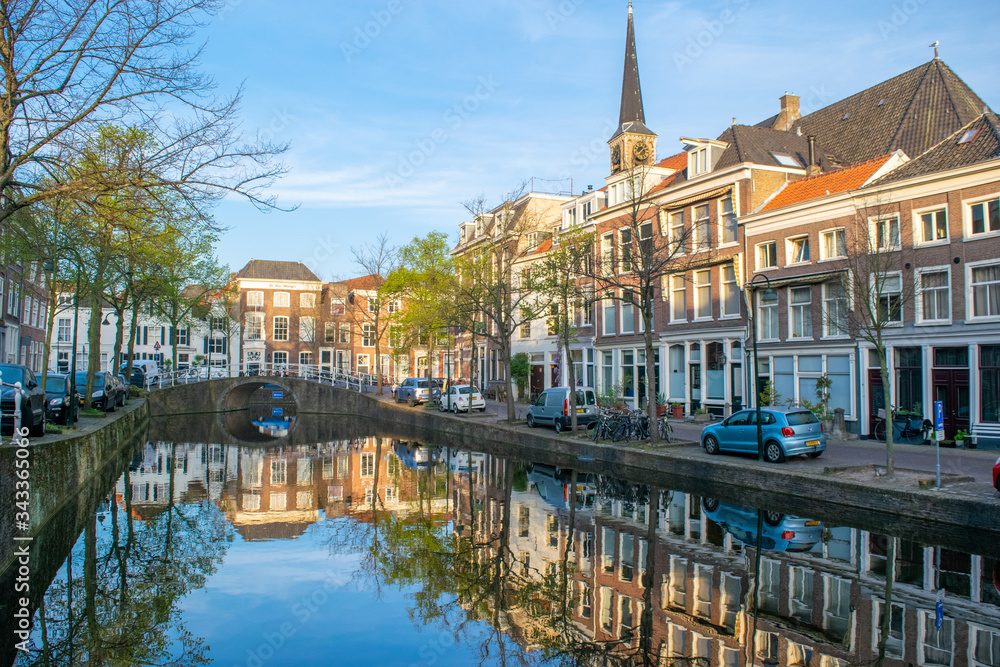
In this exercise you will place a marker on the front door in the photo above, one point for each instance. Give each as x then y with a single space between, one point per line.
952 388
736 382
876 399
326 362
536 382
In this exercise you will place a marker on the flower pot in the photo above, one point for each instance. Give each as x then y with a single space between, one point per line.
959 444
827 425
702 417
661 410
677 411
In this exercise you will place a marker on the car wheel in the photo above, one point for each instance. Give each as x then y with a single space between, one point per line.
531 422
710 504
773 518
559 426
773 452
440 406
411 402
815 455
482 409
38 430
711 444
110 404
454 408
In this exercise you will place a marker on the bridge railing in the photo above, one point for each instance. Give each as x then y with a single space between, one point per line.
312 372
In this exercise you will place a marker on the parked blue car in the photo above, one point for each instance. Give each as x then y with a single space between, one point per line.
780 532
787 432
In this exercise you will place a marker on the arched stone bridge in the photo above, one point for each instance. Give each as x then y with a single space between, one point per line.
229 394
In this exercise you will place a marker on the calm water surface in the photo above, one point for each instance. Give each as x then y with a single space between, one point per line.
373 551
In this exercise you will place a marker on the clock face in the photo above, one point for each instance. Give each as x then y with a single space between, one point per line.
616 155
640 151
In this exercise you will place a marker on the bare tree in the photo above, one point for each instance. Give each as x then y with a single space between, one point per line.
377 260
877 248
490 291
72 65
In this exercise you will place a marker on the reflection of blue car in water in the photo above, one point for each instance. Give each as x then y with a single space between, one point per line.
780 532
416 456
553 485
277 427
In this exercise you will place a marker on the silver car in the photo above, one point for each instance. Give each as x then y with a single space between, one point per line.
786 432
552 407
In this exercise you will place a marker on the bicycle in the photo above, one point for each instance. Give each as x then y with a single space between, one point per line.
904 428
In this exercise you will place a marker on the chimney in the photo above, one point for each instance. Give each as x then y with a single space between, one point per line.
812 168
789 112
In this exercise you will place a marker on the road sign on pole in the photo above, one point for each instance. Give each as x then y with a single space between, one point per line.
939 610
939 420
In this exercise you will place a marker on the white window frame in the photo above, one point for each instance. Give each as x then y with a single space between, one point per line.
274 327
806 322
970 294
675 232
918 225
823 235
924 618
608 254
368 334
828 329
967 214
627 313
771 306
699 225
699 297
282 299
307 329
874 229
279 357
626 265
761 253
255 298
307 300
878 296
919 292
338 307
790 247
675 280
259 318
727 285
722 217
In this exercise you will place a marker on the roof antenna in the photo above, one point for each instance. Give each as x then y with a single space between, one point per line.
933 46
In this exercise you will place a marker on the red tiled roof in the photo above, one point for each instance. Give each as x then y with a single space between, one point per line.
543 247
364 282
678 161
804 189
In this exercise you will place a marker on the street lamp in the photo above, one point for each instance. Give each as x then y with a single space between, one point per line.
756 363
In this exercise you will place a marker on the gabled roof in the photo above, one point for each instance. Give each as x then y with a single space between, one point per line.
911 112
364 283
267 269
757 145
841 180
982 143
677 162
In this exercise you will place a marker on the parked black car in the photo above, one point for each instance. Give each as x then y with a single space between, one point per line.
58 403
32 399
125 387
107 393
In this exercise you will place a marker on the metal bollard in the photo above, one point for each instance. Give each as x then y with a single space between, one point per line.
17 409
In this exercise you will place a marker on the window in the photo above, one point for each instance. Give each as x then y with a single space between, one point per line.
727 221
884 234
330 332
368 464
833 244
255 326
889 298
934 295
628 312
305 358
933 226
64 332
625 250
985 217
279 471
607 254
181 336
279 358
730 292
767 316
255 298
702 233
337 307
367 335
282 299
307 300
678 301
989 373
345 333
703 295
986 291
609 317
676 232
552 323
525 329
936 645
798 249
800 306
217 345
834 309
363 362
394 306
786 160
280 328
767 255
307 329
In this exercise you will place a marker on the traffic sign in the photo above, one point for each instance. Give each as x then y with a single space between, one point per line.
939 420
939 608
156 345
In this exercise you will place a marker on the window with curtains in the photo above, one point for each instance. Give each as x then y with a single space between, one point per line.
727 221
703 294
834 309
800 312
678 302
985 291
767 316
989 378
934 295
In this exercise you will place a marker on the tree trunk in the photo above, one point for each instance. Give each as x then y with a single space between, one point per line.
886 620
890 461
119 339
378 356
505 358
49 321
570 367
647 318
94 340
133 327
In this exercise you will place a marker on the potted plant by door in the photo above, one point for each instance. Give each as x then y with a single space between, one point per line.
661 405
960 437
676 410
701 415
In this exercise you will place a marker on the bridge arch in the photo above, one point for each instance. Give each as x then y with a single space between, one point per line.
239 390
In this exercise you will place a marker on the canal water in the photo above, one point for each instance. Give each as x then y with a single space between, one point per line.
379 551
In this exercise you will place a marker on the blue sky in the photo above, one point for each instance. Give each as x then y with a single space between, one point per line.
396 111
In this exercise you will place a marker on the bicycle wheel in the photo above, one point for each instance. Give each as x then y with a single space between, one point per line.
880 431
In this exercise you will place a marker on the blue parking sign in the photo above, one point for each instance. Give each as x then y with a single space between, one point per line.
939 420
939 609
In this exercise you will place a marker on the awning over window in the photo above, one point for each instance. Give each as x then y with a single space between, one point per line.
701 196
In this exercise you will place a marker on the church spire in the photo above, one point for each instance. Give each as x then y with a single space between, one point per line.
631 107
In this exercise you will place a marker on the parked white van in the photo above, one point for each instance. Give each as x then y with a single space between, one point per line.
148 367
552 407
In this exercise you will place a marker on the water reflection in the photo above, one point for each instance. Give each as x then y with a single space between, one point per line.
502 561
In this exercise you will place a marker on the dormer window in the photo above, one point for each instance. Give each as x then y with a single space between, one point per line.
571 217
698 161
786 160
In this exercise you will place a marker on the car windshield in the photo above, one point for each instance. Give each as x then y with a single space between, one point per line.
55 383
81 380
463 390
423 384
804 417
11 374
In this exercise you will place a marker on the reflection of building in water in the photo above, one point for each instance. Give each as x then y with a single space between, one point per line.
196 471
818 607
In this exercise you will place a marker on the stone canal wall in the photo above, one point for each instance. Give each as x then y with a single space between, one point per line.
65 475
